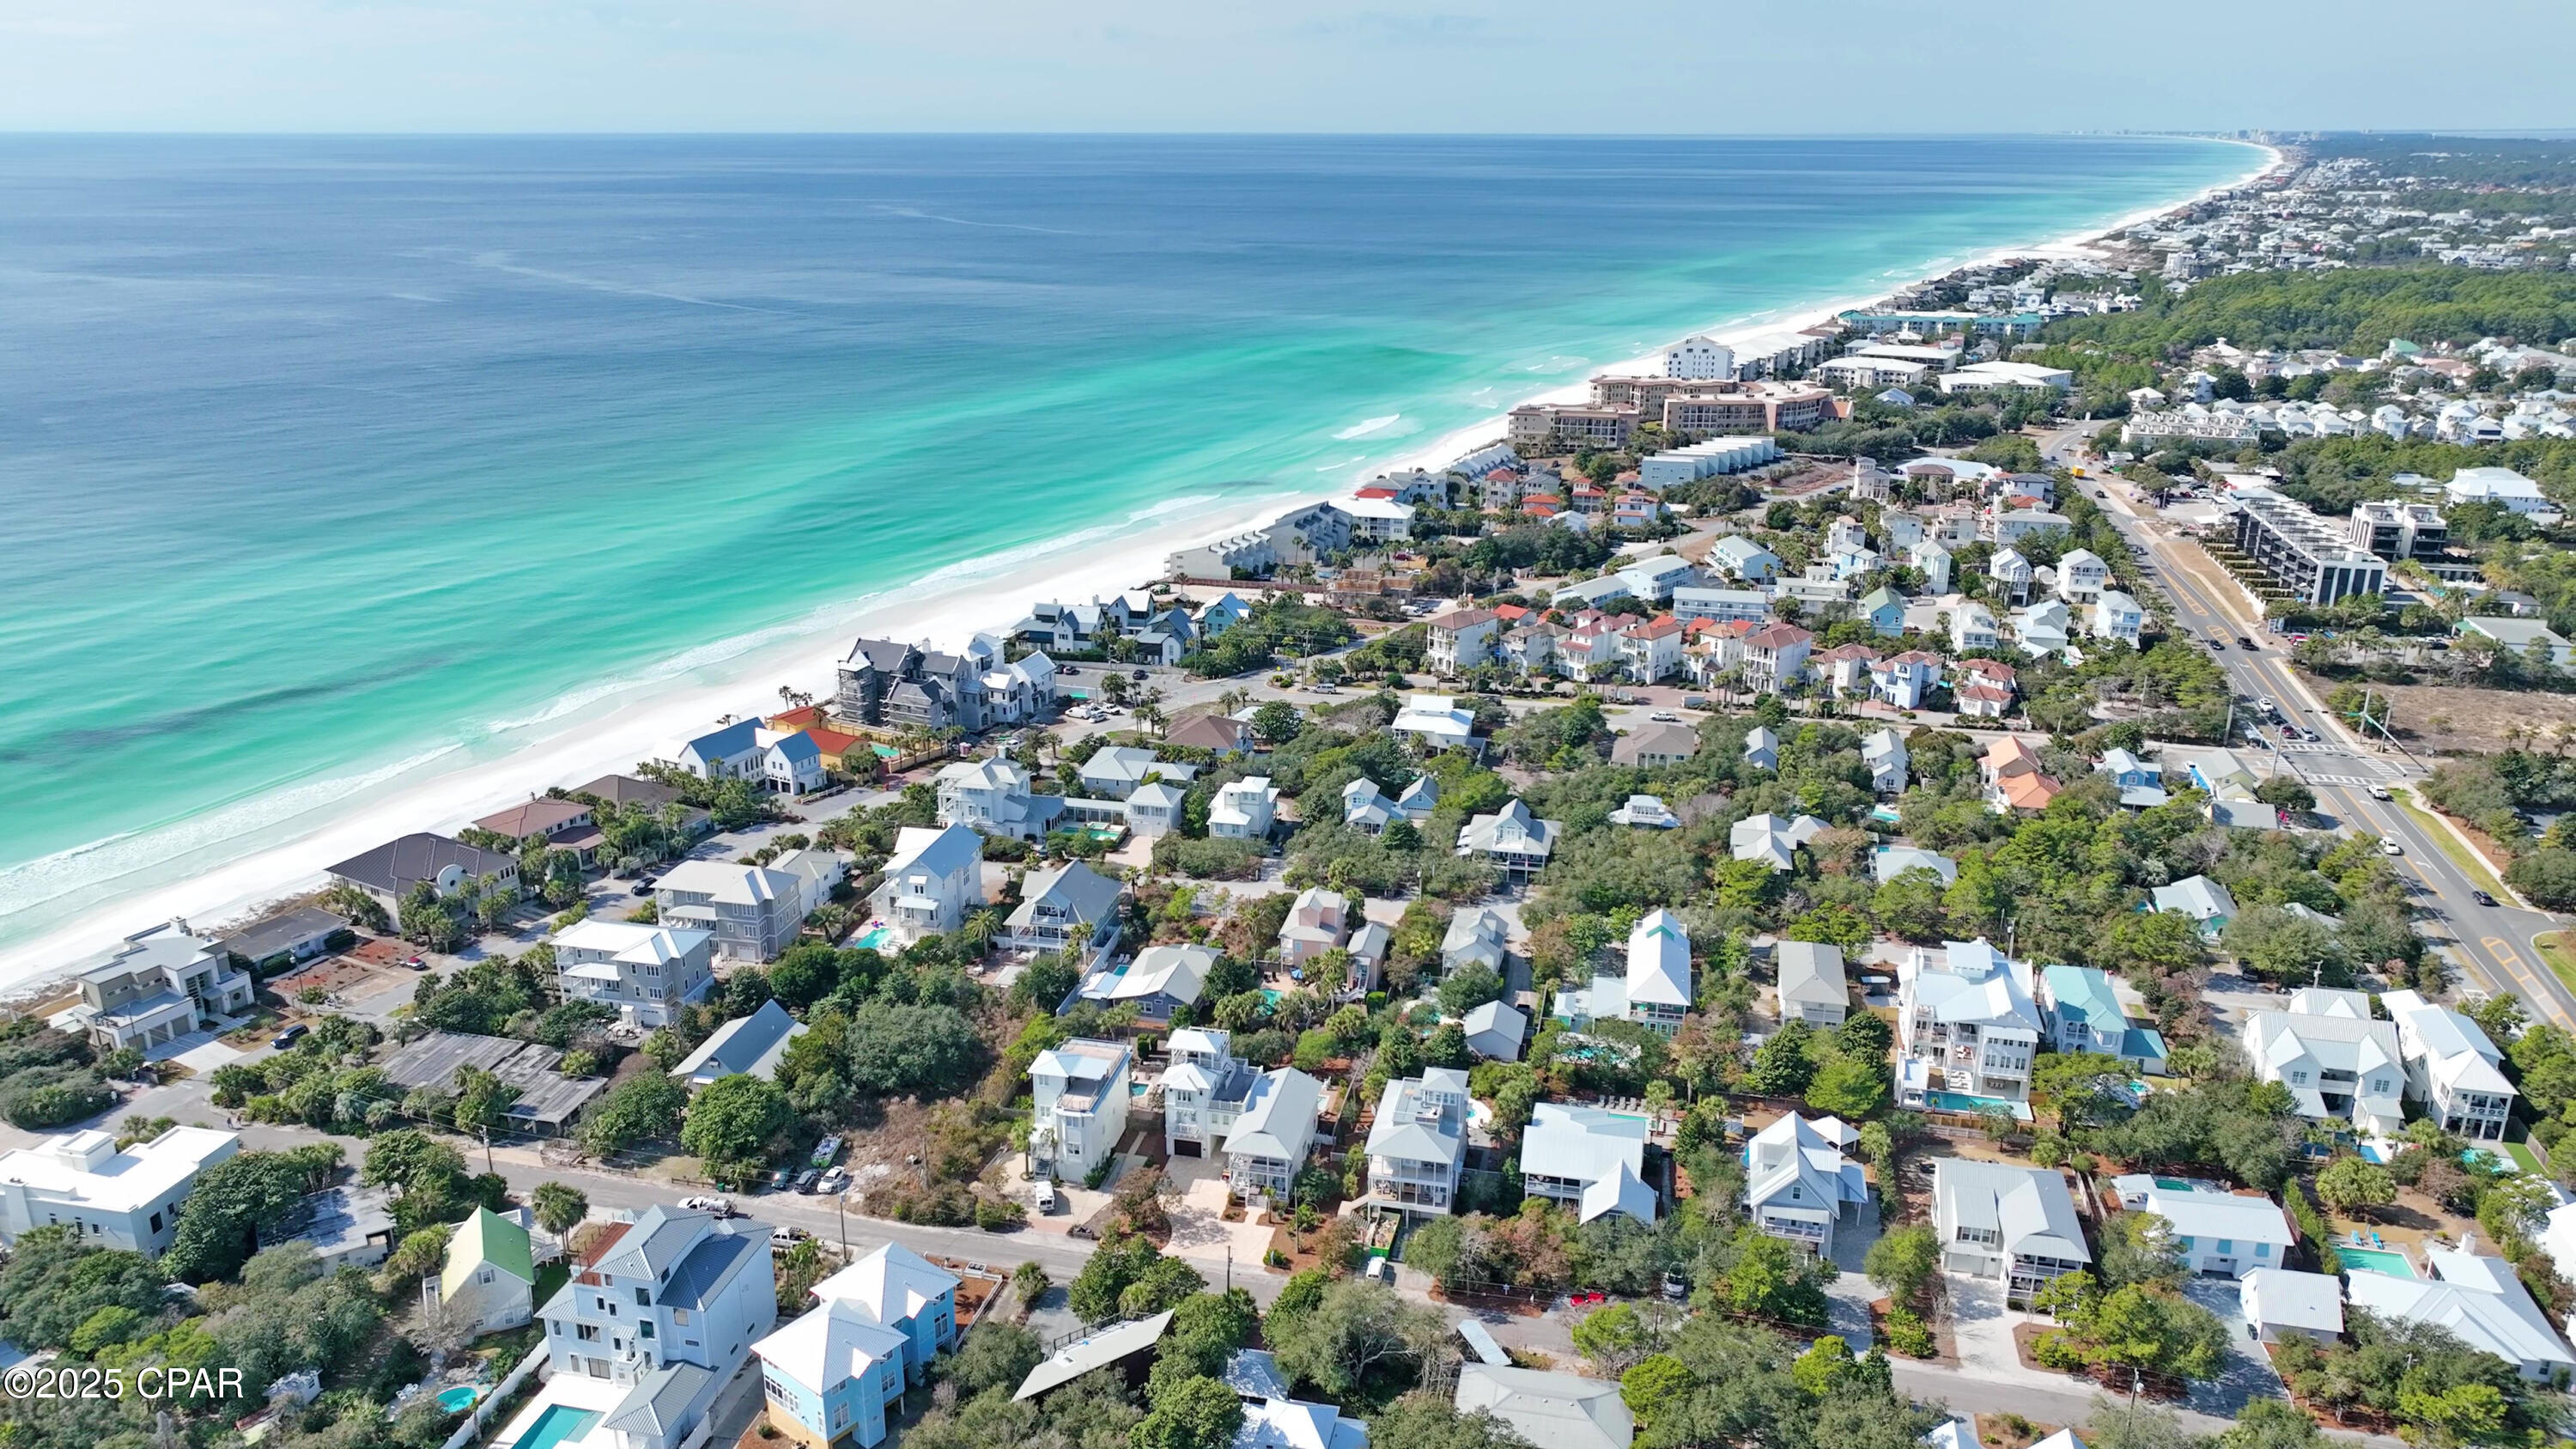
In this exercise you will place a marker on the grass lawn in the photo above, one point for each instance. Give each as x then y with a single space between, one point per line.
2471 864
2522 1157
2560 953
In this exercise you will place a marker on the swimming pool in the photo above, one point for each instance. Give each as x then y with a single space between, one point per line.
874 937
2172 1184
559 1423
458 1399
1975 1106
2376 1260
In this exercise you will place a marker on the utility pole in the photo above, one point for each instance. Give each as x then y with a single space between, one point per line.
841 1205
487 1153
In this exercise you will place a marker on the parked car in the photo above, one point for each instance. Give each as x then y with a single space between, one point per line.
721 1207
835 1181
290 1036
805 1180
1664 716
417 963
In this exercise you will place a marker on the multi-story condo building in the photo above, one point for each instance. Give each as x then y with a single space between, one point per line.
156 987
2454 1069
1417 1143
2305 556
644 973
1080 1094
109 1199
752 912
1966 1029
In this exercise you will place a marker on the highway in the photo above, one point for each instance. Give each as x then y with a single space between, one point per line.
2491 947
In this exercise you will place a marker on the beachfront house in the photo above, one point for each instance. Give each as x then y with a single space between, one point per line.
389 871
155 987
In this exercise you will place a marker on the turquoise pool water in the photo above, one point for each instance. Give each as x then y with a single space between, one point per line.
459 1398
874 937
2377 1261
1974 1106
2173 1184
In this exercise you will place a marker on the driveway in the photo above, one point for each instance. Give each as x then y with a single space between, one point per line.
1983 1328
1199 1228
2248 1372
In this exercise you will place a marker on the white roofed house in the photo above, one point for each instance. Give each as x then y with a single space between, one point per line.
1244 809
2284 1302
2012 573
1883 753
1772 839
1156 984
933 880
2082 576
1079 1092
2017 1224
1901 681
1494 1031
753 912
2117 616
2337 1066
669 1311
1435 722
1966 1029
1154 810
2452 1067
645 973
1115 772
834 1375
2221 1234
993 795
1811 986
1476 937
1797 1182
1071 907
1273 1135
1364 809
747 1045
1417 1143
1590 1160
1762 748
2478 1300
1203 1091
153 988
1512 840
127 1199
1972 626
1547 1407
1659 972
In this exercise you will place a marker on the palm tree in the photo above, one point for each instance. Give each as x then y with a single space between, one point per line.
559 1208
981 927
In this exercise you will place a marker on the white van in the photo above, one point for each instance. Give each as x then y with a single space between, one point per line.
1045 1198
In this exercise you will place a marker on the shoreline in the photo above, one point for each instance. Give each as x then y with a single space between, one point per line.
601 726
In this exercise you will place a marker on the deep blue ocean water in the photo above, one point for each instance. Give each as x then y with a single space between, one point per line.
318 454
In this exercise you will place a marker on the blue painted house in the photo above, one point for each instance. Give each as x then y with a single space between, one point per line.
1884 608
1222 615
832 1376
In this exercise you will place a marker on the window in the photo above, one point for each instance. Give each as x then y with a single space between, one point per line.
643 1298
586 1332
644 1330
2298 1079
2227 1245
680 1316
156 1222
2262 1250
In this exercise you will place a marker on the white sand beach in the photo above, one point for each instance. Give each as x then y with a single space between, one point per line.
604 726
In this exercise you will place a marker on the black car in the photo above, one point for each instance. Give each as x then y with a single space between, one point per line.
2482 898
2244 643
290 1036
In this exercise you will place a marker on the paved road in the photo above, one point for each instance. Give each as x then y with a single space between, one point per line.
2489 945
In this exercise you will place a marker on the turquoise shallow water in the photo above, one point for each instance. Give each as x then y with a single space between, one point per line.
325 455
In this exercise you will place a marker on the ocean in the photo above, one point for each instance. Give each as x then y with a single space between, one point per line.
333 465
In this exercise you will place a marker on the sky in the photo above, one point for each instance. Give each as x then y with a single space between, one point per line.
1509 66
